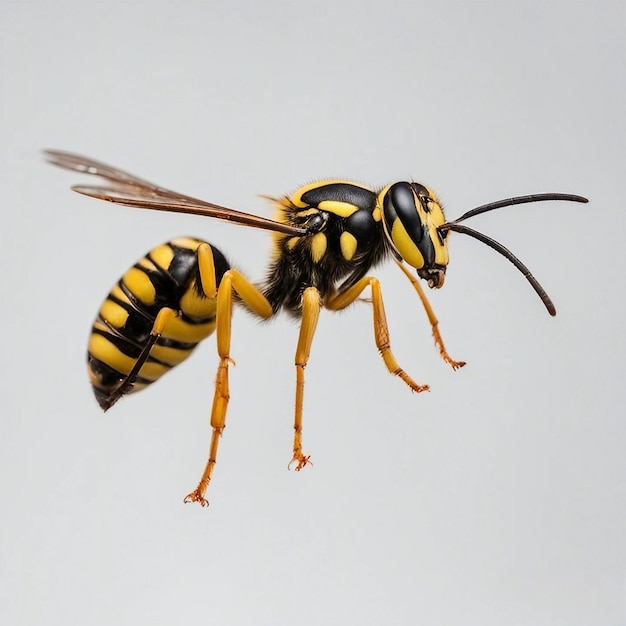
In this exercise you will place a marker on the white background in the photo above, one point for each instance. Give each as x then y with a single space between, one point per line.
497 498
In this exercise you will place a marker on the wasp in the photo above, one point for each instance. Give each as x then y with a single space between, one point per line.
326 237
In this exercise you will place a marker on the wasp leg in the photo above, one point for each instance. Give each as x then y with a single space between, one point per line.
257 303
341 300
432 318
161 320
311 306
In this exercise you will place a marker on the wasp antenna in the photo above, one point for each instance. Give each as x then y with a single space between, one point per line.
538 197
505 252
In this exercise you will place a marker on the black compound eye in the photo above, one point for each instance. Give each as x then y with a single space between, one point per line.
399 203
402 198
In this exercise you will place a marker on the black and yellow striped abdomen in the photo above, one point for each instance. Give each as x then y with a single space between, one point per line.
166 277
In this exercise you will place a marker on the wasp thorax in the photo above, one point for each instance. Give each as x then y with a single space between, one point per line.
411 216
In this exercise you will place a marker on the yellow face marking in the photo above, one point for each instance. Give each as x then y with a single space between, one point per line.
341 209
434 219
377 215
162 256
441 249
348 244
435 198
139 285
405 246
318 246
436 216
113 313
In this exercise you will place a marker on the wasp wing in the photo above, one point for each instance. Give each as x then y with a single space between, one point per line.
87 165
130 190
130 196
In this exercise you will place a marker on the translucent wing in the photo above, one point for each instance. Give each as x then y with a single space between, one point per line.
130 190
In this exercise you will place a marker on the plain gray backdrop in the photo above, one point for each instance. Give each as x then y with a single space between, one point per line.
498 497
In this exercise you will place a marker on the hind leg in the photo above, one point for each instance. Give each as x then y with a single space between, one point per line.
257 303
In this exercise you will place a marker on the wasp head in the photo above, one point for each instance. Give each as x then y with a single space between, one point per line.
411 216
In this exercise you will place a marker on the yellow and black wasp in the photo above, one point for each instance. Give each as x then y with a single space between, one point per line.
326 237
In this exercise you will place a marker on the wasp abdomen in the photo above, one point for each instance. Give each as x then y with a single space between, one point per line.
166 277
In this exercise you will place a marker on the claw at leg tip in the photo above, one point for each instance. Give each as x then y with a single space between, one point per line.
301 460
195 496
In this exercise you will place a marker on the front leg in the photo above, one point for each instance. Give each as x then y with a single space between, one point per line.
341 300
432 318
